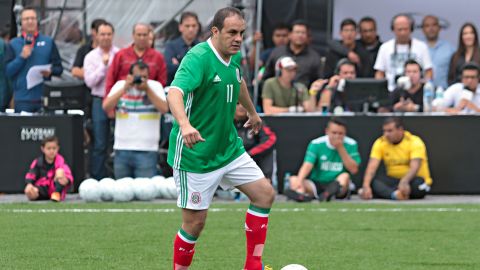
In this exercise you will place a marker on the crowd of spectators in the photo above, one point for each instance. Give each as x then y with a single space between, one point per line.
128 86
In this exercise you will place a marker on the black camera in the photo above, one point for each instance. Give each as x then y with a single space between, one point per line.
137 79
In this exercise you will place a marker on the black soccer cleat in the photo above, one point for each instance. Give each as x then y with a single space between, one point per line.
297 196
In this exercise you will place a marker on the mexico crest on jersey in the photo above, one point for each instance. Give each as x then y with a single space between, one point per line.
239 76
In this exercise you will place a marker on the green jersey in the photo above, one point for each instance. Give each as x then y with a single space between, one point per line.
327 163
210 93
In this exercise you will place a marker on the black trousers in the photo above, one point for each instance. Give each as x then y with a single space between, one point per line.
383 186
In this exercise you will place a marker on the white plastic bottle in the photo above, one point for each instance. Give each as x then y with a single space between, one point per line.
428 95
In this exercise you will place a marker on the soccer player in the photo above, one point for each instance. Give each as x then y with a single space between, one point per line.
204 149
329 161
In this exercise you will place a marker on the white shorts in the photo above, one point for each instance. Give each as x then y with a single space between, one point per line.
195 190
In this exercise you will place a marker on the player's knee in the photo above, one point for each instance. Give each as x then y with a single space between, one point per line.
269 195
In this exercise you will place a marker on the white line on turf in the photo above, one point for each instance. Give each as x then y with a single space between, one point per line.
172 210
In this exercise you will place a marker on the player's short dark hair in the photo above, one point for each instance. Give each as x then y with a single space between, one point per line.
29 8
300 22
188 14
280 26
396 120
96 23
141 66
337 121
50 139
368 19
471 66
224 13
413 62
106 24
348 21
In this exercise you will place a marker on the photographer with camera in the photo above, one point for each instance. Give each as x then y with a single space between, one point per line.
139 103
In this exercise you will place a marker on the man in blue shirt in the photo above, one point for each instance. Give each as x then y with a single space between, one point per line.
29 50
176 49
440 50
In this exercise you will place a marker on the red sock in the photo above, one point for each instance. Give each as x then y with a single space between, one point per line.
183 250
256 223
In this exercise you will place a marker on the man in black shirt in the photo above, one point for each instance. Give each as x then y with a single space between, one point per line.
307 59
408 97
356 54
77 69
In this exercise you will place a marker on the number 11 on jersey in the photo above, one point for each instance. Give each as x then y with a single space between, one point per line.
229 93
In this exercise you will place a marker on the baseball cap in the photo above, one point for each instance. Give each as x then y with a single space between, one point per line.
287 62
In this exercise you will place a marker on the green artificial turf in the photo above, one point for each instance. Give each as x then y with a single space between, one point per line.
319 236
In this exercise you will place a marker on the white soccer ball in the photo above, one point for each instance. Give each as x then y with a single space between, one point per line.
106 186
144 189
123 190
171 188
89 190
159 183
294 267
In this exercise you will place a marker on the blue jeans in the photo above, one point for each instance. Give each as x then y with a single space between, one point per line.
101 131
128 163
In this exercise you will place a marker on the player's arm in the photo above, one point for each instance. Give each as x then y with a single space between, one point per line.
270 109
370 172
404 184
379 74
175 101
157 101
304 171
254 121
350 164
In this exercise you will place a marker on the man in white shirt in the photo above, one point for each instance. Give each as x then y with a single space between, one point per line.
463 97
394 53
139 103
95 66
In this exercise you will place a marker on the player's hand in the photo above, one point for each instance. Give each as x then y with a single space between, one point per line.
254 123
366 193
143 86
129 81
404 188
318 84
352 56
333 82
46 73
26 51
190 135
175 61
336 141
105 58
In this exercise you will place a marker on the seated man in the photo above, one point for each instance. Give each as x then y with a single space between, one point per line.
333 96
139 103
259 146
408 96
406 163
49 176
280 94
329 161
463 97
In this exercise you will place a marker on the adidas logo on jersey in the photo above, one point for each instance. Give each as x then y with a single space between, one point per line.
217 79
